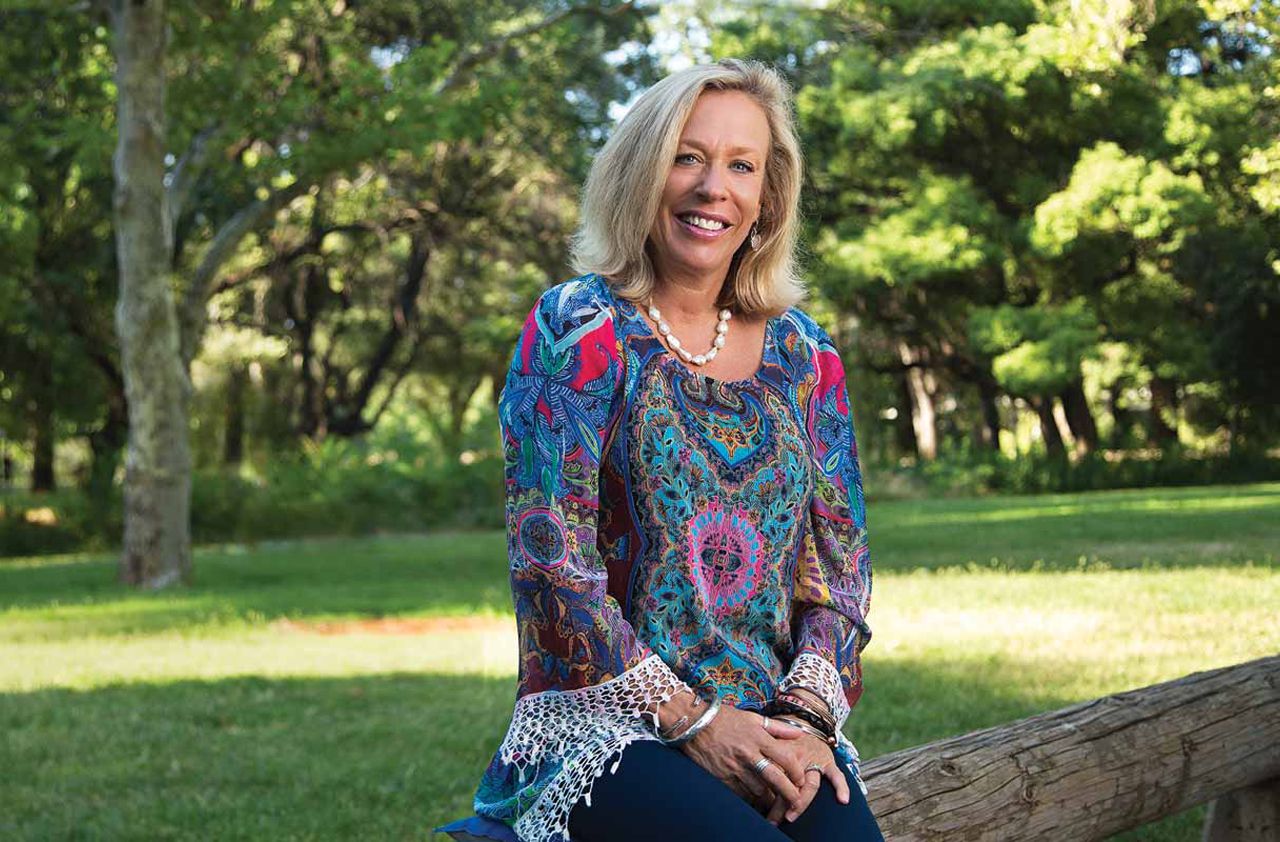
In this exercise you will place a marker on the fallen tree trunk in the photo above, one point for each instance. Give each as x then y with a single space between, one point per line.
1090 770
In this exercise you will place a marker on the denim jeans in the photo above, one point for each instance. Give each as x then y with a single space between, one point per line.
658 793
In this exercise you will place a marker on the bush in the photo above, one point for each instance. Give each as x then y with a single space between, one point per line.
968 473
343 487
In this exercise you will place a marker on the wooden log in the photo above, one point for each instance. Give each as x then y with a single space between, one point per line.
1251 814
1090 770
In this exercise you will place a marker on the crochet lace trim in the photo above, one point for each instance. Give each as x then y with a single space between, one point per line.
816 673
582 729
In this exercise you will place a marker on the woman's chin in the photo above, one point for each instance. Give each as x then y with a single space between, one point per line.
696 261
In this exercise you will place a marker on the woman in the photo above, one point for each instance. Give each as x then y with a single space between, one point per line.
685 519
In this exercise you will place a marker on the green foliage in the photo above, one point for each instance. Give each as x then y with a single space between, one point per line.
967 164
965 473
940 230
1114 195
390 482
1036 350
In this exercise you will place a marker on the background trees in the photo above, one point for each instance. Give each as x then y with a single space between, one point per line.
1039 228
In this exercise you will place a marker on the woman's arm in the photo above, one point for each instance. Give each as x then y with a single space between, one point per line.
833 574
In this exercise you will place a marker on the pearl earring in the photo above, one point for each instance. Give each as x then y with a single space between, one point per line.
755 236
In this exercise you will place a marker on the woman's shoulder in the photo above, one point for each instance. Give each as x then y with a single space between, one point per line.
574 309
806 330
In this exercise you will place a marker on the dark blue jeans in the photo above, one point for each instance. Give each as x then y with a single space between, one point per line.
659 793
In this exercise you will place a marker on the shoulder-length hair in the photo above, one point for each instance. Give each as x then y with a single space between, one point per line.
624 189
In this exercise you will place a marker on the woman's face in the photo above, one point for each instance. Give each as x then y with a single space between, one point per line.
714 187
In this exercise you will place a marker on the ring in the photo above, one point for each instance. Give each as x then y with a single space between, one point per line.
816 767
764 722
761 764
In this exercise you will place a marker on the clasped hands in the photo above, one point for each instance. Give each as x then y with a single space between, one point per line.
733 742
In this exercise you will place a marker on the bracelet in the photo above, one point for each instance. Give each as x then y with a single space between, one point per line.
778 706
675 726
824 711
704 720
809 729
807 705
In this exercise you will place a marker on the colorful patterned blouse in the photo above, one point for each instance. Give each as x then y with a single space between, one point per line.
666 531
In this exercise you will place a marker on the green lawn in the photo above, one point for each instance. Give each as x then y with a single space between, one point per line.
219 713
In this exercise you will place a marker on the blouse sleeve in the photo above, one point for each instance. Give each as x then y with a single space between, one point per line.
586 682
833 573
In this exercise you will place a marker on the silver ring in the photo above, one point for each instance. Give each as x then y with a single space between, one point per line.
762 764
764 722
816 767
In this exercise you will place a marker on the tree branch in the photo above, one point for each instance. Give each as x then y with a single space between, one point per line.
192 315
492 48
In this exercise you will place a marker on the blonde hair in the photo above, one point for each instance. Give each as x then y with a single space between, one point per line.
624 189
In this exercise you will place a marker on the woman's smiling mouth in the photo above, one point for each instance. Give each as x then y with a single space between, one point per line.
702 225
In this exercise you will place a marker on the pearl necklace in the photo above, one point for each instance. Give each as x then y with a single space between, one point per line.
722 330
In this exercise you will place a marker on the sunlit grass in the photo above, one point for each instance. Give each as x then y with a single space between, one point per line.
212 712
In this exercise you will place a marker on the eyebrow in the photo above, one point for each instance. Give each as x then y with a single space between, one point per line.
737 150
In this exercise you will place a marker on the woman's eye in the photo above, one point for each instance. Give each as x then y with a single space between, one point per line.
687 156
744 166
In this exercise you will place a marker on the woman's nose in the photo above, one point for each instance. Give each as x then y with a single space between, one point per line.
714 184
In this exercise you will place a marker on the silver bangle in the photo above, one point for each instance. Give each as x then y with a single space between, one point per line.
702 722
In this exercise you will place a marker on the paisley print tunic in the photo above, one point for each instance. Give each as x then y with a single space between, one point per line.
668 531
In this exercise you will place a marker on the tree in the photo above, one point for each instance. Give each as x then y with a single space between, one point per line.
157 493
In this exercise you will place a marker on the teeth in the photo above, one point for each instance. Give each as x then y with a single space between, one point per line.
700 222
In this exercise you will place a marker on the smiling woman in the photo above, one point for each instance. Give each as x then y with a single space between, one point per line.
685 519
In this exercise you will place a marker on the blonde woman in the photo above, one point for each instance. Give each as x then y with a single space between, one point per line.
686 525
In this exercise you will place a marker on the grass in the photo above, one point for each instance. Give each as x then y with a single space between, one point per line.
212 713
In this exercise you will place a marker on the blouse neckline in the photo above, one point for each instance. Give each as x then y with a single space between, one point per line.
631 311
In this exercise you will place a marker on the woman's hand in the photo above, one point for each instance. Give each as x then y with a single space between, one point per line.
809 749
734 740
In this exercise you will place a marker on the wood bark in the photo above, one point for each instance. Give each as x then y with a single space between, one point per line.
234 415
923 417
1090 770
1164 408
1049 430
988 392
43 477
904 432
1251 814
157 491
1075 407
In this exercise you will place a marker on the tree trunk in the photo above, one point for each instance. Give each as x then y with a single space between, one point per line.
303 303
233 415
105 445
1079 417
1121 418
904 432
988 392
1049 431
157 493
43 438
1092 770
923 417
1164 405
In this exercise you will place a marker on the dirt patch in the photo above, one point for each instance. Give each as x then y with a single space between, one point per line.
393 625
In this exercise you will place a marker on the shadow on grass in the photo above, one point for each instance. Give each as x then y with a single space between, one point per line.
381 757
